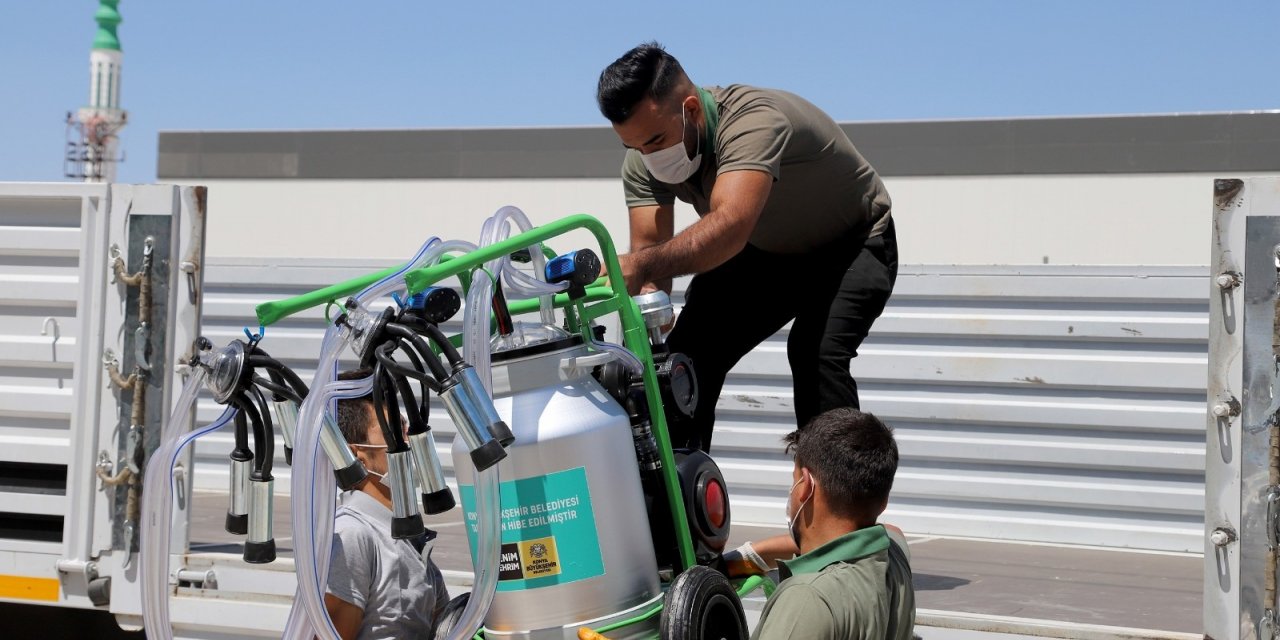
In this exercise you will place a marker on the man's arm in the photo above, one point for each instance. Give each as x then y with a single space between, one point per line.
650 226
346 616
736 203
782 547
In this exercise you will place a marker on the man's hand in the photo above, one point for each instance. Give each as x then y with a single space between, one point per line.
743 562
633 276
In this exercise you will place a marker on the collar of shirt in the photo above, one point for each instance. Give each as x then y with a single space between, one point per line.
380 517
367 506
846 548
712 111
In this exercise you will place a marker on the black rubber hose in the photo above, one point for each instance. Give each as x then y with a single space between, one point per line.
424 401
241 451
383 355
394 419
261 359
279 392
424 406
424 349
276 377
388 413
437 336
278 380
245 405
416 423
268 430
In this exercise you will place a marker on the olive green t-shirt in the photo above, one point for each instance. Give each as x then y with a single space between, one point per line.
856 587
823 189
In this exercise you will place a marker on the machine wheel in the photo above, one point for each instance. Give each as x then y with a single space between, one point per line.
702 605
450 615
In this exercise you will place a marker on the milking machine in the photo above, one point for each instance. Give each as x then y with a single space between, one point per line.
597 523
579 513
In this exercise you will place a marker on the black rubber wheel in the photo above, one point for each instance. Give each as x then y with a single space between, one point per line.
450 615
702 605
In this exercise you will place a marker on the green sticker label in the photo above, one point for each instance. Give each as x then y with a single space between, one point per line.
548 530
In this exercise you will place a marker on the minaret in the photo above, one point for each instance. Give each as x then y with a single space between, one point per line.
92 154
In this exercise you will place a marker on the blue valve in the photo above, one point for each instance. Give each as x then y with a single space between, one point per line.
579 268
434 304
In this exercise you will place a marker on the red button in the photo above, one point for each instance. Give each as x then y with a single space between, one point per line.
713 500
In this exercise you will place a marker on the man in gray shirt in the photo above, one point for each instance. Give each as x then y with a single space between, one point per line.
379 587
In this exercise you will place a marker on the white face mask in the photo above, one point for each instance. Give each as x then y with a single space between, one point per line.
791 519
382 477
673 164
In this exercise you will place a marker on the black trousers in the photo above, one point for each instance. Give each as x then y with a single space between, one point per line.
831 296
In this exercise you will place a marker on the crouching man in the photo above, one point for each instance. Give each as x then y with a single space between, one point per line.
379 587
851 580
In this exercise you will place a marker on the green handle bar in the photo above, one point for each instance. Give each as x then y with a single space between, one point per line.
270 313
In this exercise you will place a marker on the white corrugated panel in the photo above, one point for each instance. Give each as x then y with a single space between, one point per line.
40 241
1042 403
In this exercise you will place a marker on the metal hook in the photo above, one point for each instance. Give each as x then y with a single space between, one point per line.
111 263
189 268
57 331
128 546
104 463
141 336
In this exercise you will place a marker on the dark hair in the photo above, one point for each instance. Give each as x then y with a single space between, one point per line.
354 414
853 456
647 70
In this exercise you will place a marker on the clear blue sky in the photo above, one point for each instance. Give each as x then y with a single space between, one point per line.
282 64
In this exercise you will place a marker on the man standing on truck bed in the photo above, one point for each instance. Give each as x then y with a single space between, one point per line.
794 227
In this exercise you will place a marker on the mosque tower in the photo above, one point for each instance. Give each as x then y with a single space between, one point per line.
93 143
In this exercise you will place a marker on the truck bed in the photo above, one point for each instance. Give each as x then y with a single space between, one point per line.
964 587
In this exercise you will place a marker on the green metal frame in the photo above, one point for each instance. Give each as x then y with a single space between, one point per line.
600 300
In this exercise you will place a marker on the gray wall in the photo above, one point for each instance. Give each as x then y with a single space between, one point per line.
1224 143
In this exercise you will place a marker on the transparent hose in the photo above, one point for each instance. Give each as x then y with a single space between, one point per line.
623 354
520 285
157 506
488 544
312 485
475 319
315 505
476 346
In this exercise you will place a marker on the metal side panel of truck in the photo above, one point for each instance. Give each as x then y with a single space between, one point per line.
65 539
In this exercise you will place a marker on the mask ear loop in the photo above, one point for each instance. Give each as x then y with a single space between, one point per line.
697 147
684 124
791 522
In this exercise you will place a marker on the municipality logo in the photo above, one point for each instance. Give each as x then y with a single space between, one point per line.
538 550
